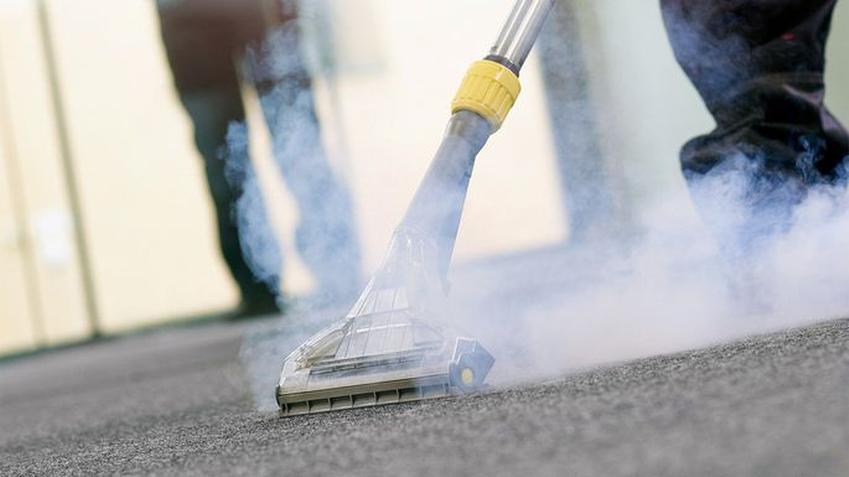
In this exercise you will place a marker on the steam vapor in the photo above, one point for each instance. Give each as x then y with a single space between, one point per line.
682 283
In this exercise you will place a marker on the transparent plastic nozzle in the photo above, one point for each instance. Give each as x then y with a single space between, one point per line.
396 344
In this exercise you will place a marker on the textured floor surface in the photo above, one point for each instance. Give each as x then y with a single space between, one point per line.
177 401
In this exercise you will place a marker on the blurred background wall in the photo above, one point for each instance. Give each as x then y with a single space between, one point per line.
105 224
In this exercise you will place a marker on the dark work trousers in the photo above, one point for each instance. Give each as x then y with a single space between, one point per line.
204 40
758 65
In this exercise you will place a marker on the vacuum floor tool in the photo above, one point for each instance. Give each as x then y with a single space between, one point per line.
397 343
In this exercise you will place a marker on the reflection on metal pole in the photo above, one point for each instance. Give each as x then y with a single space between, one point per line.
19 210
68 166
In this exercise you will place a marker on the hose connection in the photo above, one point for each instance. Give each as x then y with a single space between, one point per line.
488 89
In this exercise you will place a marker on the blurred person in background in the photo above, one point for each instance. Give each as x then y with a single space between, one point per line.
212 46
758 65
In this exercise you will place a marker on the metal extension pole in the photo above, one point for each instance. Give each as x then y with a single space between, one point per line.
68 168
519 33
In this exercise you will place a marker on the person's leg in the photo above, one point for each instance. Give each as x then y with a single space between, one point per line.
205 76
758 65
326 235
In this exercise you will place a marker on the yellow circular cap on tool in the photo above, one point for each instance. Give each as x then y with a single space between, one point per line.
467 376
489 89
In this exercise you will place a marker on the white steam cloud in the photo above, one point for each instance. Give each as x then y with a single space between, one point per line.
675 289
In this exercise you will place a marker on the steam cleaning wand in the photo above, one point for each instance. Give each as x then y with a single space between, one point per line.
390 347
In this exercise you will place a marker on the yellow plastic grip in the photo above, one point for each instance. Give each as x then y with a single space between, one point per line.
490 90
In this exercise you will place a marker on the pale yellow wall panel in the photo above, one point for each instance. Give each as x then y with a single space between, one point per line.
16 319
18 323
146 210
48 216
